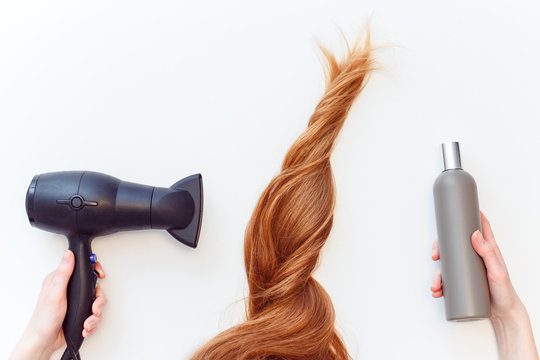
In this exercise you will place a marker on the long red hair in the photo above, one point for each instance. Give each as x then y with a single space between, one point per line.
289 315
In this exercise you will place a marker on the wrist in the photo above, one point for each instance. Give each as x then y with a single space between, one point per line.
511 314
514 334
510 322
31 347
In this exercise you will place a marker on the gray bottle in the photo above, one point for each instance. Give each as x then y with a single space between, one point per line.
466 292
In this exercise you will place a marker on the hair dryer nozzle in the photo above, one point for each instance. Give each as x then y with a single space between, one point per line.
178 209
190 234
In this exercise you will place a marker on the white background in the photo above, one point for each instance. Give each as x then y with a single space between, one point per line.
152 91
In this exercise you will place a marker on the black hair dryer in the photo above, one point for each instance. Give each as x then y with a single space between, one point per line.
85 204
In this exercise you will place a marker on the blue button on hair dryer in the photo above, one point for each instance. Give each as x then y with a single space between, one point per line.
82 205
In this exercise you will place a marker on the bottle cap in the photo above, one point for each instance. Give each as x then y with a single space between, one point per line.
451 156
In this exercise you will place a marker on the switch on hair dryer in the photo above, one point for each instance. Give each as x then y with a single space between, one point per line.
83 205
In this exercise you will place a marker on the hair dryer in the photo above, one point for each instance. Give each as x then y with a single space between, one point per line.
82 205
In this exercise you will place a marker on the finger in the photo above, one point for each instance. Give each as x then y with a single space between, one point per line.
91 323
435 251
437 294
436 284
99 269
491 255
99 302
60 276
86 334
486 228
90 333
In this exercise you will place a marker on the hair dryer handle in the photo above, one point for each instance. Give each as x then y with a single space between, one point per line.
81 292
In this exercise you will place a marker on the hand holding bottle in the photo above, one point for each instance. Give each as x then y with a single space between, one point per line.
508 314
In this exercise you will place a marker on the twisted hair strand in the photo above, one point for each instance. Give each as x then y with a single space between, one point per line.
288 313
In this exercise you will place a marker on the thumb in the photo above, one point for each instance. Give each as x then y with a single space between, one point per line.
489 251
63 272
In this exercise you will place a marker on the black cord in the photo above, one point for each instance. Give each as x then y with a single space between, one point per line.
70 353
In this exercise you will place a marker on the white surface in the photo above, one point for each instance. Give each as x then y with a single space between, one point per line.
152 91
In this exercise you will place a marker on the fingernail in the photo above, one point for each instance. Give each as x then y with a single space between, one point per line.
65 258
478 236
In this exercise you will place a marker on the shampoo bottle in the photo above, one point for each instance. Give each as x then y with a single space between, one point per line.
466 292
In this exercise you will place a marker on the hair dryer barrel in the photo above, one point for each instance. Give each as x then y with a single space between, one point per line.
74 202
177 209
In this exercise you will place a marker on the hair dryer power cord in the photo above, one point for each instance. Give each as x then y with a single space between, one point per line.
70 353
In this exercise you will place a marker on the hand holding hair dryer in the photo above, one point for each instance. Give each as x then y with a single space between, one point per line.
83 205
466 292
